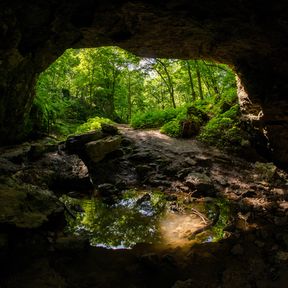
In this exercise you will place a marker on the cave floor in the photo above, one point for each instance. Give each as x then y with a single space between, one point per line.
253 253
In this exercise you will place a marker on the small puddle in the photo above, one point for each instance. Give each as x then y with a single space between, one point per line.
141 217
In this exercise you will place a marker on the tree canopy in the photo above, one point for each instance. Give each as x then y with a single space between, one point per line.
112 83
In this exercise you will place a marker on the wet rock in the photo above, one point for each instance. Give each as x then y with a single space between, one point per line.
97 150
143 170
109 193
144 198
15 154
71 243
27 206
7 167
61 173
201 183
75 144
121 185
71 174
107 189
38 150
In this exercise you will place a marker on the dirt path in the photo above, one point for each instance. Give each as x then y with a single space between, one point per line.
153 139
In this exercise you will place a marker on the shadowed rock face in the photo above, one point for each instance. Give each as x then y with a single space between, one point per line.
250 36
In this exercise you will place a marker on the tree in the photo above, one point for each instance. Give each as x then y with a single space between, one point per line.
110 82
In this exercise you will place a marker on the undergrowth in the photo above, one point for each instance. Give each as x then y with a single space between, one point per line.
92 124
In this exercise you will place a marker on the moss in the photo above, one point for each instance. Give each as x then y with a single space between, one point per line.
224 130
93 124
186 124
172 128
25 206
265 171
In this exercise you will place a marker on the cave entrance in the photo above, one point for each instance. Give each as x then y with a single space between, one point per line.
86 88
110 83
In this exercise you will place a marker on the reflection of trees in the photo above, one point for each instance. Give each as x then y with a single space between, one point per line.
114 225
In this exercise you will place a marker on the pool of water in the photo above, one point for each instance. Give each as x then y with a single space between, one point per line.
138 217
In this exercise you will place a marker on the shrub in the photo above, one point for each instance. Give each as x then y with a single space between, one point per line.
92 124
187 123
154 118
223 130
172 128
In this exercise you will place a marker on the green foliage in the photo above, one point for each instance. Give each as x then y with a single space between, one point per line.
223 130
224 218
172 128
93 124
154 118
186 124
111 83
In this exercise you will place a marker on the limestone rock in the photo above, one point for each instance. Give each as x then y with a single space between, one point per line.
59 172
75 144
201 182
27 206
97 150
109 129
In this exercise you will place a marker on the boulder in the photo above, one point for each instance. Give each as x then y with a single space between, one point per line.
109 193
27 206
97 150
57 171
201 183
109 129
38 150
75 144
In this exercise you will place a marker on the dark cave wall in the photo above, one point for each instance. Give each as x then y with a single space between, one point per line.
250 36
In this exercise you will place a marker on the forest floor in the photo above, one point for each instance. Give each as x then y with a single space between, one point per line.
252 253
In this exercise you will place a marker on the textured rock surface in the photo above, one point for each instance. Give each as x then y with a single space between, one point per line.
27 206
250 36
97 150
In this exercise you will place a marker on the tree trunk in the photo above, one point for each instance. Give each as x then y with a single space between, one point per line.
129 101
193 93
168 81
199 81
212 80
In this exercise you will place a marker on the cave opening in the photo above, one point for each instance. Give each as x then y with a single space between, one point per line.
86 88
247 35
112 83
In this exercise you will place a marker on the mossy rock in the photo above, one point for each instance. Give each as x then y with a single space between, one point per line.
26 206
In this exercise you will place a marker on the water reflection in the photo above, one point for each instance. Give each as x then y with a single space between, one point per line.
139 217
